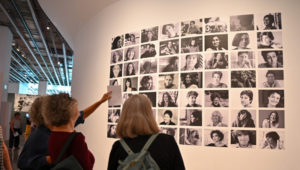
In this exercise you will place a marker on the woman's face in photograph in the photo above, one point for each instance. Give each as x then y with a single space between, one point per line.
192 99
193 42
170 31
191 60
243 41
273 117
272 59
115 83
149 84
130 68
166 98
167 118
243 139
216 41
242 115
216 79
192 118
245 100
188 79
169 44
216 101
242 57
113 130
266 40
116 70
215 118
274 99
215 137
149 35
116 57
219 57
244 75
130 55
128 83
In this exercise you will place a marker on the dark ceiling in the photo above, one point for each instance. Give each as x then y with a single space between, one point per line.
39 52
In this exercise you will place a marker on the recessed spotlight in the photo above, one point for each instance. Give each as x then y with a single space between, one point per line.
48 28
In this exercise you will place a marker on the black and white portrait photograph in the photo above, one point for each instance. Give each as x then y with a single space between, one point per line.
170 31
191 45
216 98
243 41
242 59
167 116
23 102
190 117
169 64
217 42
169 47
216 60
242 22
168 99
271 98
243 118
242 79
116 71
168 81
191 98
112 131
117 42
271 119
243 138
243 98
148 66
270 59
149 34
151 96
169 131
190 136
216 118
192 27
269 40
215 138
149 50
126 96
116 56
271 139
114 115
216 24
131 68
270 78
147 82
191 62
191 80
268 21
130 84
216 79
132 38
115 82
131 53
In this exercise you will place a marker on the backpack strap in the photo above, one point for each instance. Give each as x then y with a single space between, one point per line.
65 147
126 147
149 142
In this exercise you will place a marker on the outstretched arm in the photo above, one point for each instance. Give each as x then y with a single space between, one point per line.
89 110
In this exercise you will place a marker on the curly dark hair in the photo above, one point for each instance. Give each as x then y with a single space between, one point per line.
58 109
219 133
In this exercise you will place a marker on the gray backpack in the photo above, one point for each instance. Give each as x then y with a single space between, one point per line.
138 161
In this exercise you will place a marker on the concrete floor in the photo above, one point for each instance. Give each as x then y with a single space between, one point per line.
14 153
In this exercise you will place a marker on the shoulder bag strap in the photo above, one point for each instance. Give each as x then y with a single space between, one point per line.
126 147
149 142
65 147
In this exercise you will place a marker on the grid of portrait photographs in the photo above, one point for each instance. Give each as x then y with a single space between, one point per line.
212 81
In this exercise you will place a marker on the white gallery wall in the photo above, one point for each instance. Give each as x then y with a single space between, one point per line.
92 47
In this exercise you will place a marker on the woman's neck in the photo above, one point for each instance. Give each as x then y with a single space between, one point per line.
63 128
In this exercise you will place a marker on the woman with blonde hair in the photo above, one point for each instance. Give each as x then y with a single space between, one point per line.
137 124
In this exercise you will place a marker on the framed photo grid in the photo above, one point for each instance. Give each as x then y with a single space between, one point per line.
212 81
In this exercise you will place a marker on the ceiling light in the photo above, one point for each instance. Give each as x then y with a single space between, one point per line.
48 28
18 49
